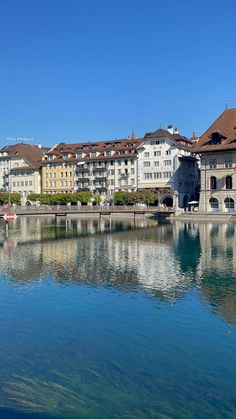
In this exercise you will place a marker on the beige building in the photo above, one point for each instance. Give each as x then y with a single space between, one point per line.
217 148
25 169
99 167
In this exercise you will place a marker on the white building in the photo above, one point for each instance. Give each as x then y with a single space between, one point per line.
20 169
167 166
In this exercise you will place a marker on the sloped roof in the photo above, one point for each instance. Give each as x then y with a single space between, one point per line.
127 148
225 126
30 153
177 139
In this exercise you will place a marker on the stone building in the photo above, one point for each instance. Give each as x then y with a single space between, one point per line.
217 148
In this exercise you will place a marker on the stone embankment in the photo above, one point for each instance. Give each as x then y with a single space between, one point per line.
209 216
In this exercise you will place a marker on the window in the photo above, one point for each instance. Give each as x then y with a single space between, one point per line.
132 162
213 163
156 163
22 183
228 161
132 171
112 171
112 182
229 204
126 162
147 175
228 182
119 171
167 162
213 182
14 184
157 175
146 163
167 174
61 174
214 204
119 162
216 138
168 152
26 183
146 154
157 153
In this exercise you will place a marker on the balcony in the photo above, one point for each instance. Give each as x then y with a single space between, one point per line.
100 186
100 175
84 168
83 189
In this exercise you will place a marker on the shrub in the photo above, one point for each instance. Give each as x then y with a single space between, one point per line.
132 198
13 197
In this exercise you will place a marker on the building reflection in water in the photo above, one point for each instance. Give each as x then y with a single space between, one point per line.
165 260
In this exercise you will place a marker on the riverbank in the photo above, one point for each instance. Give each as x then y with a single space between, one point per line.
210 217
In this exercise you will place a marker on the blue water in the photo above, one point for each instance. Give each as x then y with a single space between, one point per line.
116 319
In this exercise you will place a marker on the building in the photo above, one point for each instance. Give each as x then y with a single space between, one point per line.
5 167
101 167
20 168
58 169
167 166
217 148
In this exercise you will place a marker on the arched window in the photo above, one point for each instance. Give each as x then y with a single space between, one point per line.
213 182
229 204
228 182
214 204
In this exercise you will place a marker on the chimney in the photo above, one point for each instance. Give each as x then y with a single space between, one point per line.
170 129
39 145
176 130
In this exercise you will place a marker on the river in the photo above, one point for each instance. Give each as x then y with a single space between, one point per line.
116 318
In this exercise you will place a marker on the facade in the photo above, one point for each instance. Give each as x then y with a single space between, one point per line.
217 148
99 167
58 169
5 167
167 166
20 169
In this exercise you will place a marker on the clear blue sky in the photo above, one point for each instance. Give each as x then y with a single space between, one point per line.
78 70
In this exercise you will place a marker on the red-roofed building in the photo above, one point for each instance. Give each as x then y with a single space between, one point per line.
166 165
101 167
217 147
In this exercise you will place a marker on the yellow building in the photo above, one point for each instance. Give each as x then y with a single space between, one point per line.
58 170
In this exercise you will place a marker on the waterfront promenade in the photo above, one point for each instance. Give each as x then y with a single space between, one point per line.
63 210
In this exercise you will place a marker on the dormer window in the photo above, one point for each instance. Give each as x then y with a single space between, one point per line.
216 138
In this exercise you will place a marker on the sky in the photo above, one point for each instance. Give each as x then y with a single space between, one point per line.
85 70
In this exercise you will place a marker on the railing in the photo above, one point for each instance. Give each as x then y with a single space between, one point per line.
82 208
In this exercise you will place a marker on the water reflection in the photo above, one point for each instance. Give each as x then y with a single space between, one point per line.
115 318
164 260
